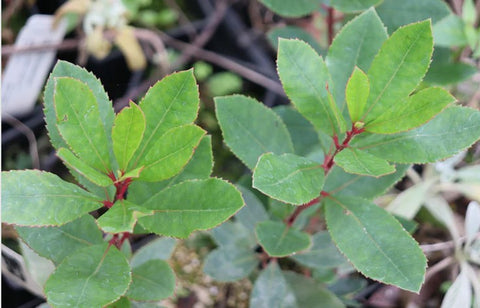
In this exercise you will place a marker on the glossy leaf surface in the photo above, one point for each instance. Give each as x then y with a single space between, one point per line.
153 280
356 44
79 122
92 277
171 102
398 68
127 134
230 263
122 217
305 78
185 207
170 153
56 243
356 161
84 169
358 227
279 240
455 129
289 178
356 94
413 112
251 129
36 198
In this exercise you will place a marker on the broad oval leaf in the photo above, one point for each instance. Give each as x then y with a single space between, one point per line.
356 161
171 102
356 44
356 94
80 124
272 290
280 240
36 198
340 182
292 9
288 178
56 243
413 112
250 129
127 134
396 13
230 263
398 67
305 78
253 212
449 32
453 130
122 217
358 227
93 277
170 153
199 167
153 280
84 169
233 232
191 205
323 253
160 248
67 69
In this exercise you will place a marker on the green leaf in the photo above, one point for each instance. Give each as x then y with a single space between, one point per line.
356 161
340 182
199 167
448 32
170 153
398 67
234 233
36 198
171 102
191 205
449 73
469 12
292 32
356 94
56 243
289 178
230 263
224 83
304 137
309 293
305 79
127 134
290 9
398 13
122 217
413 112
160 248
253 212
272 290
251 129
66 69
94 276
72 161
280 240
153 280
359 228
356 44
349 6
323 253
79 122
453 130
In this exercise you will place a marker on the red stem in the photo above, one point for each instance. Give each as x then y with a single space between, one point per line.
330 23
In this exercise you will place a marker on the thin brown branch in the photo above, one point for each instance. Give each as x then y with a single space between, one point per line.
184 21
32 141
214 20
440 266
226 63
67 44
